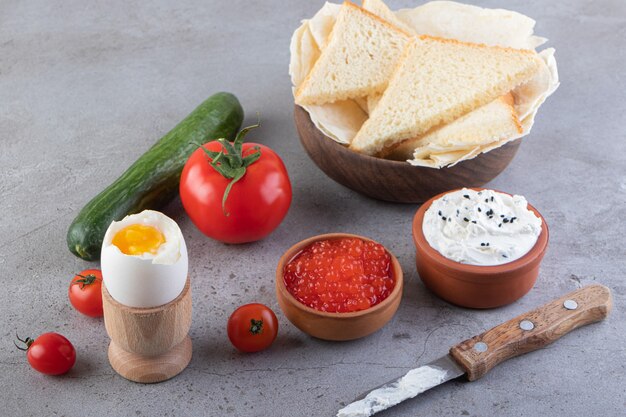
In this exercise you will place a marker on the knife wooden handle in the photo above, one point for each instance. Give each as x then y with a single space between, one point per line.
533 330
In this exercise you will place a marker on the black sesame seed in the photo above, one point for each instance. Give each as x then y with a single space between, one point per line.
500 225
466 196
465 218
505 220
439 212
487 244
474 221
491 217
444 218
504 255
482 244
479 210
502 215
491 198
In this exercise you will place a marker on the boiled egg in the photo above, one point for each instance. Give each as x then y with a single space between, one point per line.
144 260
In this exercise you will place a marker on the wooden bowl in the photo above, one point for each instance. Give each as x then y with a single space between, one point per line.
476 286
396 181
336 326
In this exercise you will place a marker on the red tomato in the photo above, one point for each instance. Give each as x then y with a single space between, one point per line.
85 292
252 327
50 353
255 206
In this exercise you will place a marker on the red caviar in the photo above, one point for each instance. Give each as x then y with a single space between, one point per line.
340 275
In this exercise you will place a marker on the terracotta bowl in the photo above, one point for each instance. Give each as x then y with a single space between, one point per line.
396 181
336 326
476 286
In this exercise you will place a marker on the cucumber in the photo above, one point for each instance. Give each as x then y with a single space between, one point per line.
152 181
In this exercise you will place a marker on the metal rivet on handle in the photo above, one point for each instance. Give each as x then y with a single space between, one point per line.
526 325
570 304
480 347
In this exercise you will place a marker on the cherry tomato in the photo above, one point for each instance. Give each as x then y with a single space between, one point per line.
85 292
50 353
252 327
255 204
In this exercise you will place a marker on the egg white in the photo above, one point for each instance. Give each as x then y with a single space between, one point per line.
145 280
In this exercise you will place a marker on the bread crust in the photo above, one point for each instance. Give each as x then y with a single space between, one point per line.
380 19
474 45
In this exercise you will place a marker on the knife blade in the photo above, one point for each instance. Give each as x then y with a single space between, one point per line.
476 356
400 389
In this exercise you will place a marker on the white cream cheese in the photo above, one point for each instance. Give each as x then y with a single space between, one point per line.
481 227
410 385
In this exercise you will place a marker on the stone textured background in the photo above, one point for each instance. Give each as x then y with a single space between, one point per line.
87 86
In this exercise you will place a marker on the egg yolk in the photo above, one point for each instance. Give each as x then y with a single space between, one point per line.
138 239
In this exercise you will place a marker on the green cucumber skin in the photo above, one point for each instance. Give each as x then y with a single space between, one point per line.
152 181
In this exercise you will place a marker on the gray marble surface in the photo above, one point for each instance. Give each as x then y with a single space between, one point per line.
87 86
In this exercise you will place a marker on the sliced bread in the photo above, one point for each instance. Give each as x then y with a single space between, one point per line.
437 81
372 102
379 8
358 61
489 123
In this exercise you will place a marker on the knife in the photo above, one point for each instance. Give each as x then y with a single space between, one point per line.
476 356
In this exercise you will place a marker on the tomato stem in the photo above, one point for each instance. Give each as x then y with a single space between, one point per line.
256 326
28 341
85 280
230 161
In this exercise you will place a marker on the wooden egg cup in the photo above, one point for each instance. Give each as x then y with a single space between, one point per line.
149 345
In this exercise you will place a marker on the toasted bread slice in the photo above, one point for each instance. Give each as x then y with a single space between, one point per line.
489 123
358 61
437 81
379 8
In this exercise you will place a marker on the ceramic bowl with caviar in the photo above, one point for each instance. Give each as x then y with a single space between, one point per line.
338 286
479 248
